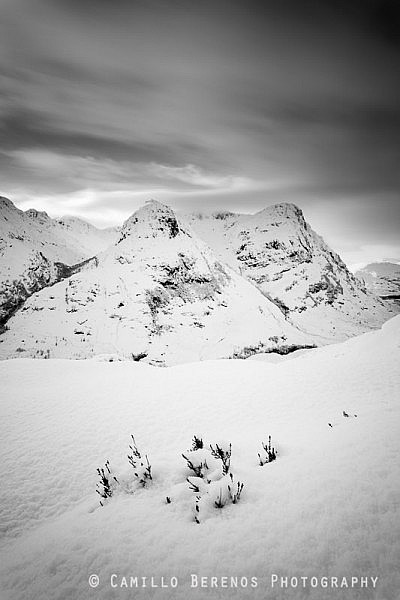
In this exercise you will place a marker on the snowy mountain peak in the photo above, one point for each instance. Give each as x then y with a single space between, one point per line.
277 250
40 216
158 294
285 209
166 295
285 216
152 220
7 205
76 224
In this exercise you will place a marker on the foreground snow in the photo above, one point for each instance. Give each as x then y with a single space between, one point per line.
328 506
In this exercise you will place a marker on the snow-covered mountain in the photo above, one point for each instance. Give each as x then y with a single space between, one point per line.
382 278
278 252
34 250
159 294
172 290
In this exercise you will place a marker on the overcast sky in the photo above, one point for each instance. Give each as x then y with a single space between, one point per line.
234 104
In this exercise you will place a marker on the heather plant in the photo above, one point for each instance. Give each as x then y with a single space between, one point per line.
270 453
223 455
211 480
107 484
141 466
197 443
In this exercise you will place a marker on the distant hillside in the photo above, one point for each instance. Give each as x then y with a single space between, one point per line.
277 251
382 278
34 249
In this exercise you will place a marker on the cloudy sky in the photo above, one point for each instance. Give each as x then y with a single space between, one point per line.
214 104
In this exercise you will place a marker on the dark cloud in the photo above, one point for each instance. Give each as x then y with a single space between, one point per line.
228 103
29 129
385 21
125 80
379 119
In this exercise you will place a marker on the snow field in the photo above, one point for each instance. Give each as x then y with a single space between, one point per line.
328 506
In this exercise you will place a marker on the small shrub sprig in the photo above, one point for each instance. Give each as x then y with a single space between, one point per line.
197 510
220 501
234 493
137 462
235 496
270 453
105 487
192 486
198 470
197 443
224 456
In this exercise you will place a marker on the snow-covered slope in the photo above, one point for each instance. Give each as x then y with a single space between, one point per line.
278 251
382 278
158 294
328 507
34 248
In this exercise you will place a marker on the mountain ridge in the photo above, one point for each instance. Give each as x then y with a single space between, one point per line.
36 251
382 278
166 292
159 294
280 253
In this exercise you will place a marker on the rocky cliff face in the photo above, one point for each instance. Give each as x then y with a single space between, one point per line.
159 294
278 251
164 293
38 273
36 250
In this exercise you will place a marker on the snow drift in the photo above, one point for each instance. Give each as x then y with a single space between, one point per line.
326 507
